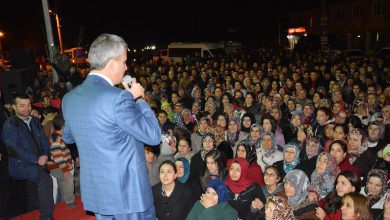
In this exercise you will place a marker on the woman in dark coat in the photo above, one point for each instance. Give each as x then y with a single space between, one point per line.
244 195
172 199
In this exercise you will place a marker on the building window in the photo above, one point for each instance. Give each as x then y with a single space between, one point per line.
378 8
357 12
338 14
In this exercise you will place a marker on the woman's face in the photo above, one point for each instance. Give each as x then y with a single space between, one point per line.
289 189
179 168
339 133
167 174
208 143
235 171
296 121
291 105
354 142
343 186
270 177
269 211
374 185
149 156
212 165
329 132
321 165
225 99
301 135
233 126
321 117
316 98
221 121
255 133
241 152
348 209
289 154
337 151
267 126
246 122
212 195
266 142
249 100
183 148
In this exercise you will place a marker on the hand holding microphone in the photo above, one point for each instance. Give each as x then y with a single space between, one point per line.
131 85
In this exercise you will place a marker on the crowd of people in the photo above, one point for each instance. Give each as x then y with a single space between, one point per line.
276 136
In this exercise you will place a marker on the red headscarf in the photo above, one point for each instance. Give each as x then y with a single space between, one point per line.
241 184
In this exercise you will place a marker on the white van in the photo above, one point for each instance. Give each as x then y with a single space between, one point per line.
177 51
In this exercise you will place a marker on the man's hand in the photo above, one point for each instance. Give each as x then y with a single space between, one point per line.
42 160
136 89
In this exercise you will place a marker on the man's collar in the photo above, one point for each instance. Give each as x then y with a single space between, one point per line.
103 76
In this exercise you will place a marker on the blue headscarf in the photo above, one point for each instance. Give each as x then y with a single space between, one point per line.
288 166
186 165
220 188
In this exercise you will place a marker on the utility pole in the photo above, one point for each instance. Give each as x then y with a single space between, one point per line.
59 32
49 32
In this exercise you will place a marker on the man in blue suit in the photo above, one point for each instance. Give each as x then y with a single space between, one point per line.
28 150
110 126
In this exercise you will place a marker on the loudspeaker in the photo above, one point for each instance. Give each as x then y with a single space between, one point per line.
22 59
16 81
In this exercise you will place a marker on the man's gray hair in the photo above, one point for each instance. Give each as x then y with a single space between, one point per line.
104 48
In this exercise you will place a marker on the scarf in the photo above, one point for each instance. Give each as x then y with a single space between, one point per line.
288 166
203 152
300 181
243 182
186 166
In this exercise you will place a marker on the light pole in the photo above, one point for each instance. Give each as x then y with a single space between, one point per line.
1 36
58 30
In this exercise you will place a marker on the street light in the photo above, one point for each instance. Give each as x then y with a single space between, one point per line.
1 36
58 30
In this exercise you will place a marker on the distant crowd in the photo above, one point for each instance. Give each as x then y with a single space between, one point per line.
279 135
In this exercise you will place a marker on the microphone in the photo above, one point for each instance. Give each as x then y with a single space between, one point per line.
128 80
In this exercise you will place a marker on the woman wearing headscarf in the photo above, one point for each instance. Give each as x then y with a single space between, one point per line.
233 135
197 164
183 176
213 205
268 153
254 171
244 195
309 155
296 184
359 156
277 207
323 177
247 120
254 138
375 191
290 158
268 123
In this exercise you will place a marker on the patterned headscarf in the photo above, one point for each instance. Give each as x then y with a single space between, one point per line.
274 146
355 153
250 152
250 141
381 174
300 181
282 209
288 166
323 184
314 142
186 165
231 137
203 152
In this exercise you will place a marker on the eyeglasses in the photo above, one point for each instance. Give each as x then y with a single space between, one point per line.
270 174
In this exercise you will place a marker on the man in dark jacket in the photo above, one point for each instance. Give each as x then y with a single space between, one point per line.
28 150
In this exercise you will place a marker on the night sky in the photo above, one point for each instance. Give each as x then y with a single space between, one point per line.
143 22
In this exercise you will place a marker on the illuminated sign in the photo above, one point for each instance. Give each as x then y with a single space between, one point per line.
298 30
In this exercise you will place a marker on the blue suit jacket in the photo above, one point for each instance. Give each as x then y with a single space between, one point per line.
110 129
22 158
